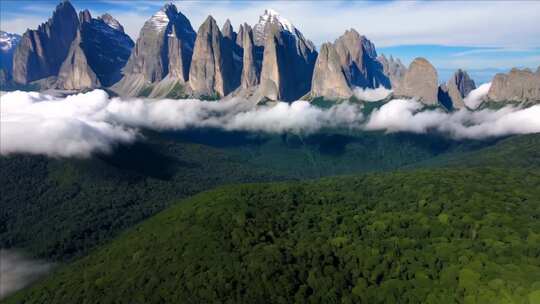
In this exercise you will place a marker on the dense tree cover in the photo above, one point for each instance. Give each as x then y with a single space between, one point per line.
61 208
522 151
331 152
424 236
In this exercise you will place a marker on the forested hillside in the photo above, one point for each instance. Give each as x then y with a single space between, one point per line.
425 236
61 208
521 151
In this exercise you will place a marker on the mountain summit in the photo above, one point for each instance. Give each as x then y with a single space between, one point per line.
41 52
163 50
269 17
270 61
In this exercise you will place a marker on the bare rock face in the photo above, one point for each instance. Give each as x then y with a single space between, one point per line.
234 51
358 59
328 77
420 81
288 62
227 31
96 56
252 55
212 71
240 36
351 58
107 48
459 86
393 69
516 86
75 73
111 22
41 52
164 49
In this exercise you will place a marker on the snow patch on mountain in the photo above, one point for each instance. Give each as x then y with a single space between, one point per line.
159 20
273 17
8 41
111 22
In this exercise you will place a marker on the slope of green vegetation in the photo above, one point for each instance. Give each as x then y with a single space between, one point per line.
58 209
521 151
330 152
426 236
61 208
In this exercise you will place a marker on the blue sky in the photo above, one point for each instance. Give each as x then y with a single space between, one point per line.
483 37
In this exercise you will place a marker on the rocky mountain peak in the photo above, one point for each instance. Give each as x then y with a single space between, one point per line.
41 52
161 18
85 16
163 50
452 93
271 17
251 57
212 70
393 69
516 86
463 82
288 62
328 77
420 81
111 22
228 31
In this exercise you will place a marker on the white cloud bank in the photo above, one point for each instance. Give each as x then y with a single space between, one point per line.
406 115
73 126
83 124
17 271
475 97
377 94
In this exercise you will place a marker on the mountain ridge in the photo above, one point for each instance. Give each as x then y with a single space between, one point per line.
279 63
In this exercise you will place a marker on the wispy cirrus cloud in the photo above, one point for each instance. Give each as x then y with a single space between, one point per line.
476 51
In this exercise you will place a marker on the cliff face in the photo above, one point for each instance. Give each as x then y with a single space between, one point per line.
358 59
420 81
350 62
459 86
164 48
328 77
75 73
272 61
41 52
212 72
106 46
96 56
393 69
516 86
288 62
251 60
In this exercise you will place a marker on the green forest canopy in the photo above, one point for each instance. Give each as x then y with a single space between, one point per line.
422 236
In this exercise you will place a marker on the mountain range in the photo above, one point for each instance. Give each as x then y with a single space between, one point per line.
271 60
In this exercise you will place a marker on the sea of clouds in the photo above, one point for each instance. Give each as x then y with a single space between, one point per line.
82 124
